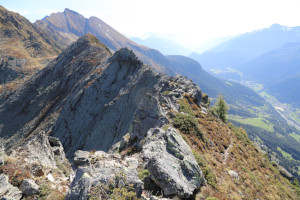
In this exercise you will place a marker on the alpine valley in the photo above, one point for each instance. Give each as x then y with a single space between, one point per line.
86 113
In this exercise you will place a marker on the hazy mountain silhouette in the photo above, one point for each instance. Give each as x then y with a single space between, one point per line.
248 46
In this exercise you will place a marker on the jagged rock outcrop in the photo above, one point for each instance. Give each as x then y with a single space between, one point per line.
41 149
8 191
104 170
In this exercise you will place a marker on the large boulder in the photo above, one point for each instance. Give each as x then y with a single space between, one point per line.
171 163
104 169
29 187
7 190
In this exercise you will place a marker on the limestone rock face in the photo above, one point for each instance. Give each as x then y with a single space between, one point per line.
8 191
171 163
29 187
104 169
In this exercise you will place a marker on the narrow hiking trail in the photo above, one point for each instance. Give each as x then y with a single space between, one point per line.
226 154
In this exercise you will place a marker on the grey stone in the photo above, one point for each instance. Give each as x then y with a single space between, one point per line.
79 188
103 169
171 163
234 175
8 191
50 177
81 158
29 187
148 115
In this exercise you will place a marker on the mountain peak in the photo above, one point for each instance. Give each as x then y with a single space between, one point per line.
275 25
86 42
125 54
90 38
67 10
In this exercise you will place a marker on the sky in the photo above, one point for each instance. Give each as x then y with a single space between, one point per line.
189 22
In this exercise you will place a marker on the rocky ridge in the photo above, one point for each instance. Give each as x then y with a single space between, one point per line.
120 100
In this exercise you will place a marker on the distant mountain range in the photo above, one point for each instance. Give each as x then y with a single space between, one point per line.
67 26
274 66
269 56
247 46
164 45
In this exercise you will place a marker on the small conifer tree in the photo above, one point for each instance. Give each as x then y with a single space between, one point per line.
221 108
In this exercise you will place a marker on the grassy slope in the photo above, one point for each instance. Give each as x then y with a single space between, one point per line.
266 125
221 148
20 39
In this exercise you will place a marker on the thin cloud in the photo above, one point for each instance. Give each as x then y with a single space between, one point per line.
21 12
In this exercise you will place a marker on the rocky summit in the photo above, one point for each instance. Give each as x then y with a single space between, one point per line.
97 125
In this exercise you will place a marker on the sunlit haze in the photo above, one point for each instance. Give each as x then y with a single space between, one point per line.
190 22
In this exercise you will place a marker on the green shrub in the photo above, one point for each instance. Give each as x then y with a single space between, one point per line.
64 167
187 124
208 173
210 176
165 127
166 92
185 107
240 133
143 173
118 189
201 162
45 190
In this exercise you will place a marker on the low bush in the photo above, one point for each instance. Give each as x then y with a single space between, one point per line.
143 173
118 189
206 170
15 171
